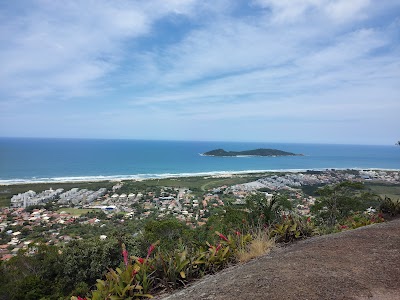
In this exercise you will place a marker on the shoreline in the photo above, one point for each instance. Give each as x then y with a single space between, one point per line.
141 177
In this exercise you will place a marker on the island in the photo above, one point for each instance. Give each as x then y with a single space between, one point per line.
256 152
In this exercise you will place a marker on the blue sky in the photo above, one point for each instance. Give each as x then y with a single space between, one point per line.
324 71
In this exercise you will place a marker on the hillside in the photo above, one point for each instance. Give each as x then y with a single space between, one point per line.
357 264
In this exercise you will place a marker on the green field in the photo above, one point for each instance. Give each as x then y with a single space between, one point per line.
200 183
76 211
390 190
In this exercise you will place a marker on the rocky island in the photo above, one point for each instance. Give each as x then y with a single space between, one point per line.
256 152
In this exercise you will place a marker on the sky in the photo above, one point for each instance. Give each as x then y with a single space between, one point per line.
301 71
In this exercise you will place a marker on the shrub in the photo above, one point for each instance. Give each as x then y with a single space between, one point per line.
136 277
31 276
389 206
129 281
87 260
175 269
360 219
292 228
336 202
168 231
266 211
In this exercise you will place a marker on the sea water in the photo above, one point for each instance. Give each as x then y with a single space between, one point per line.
36 159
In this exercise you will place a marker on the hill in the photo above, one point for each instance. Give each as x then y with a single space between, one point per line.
256 152
357 264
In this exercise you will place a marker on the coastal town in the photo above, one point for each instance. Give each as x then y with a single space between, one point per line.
46 215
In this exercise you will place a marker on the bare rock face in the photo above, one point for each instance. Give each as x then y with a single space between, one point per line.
357 264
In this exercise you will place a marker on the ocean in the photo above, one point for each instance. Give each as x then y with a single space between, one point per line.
53 160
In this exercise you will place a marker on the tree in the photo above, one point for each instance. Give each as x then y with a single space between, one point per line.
338 201
31 276
87 260
99 214
262 209
53 272
168 232
227 220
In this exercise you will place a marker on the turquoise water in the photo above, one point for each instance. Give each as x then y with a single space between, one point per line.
26 160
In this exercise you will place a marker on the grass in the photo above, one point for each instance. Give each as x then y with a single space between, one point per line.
390 190
76 211
4 201
259 246
199 183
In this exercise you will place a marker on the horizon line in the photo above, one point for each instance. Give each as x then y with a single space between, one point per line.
188 140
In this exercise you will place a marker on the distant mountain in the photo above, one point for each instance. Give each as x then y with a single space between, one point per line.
256 152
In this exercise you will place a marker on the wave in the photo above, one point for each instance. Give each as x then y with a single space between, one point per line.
139 177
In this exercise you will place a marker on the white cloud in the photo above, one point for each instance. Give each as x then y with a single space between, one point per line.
272 66
63 47
350 46
290 11
343 10
318 63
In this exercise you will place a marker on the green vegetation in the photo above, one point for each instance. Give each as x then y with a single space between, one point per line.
176 266
266 211
55 272
137 276
77 211
311 190
390 207
384 190
256 152
195 184
167 253
292 228
339 201
358 219
169 231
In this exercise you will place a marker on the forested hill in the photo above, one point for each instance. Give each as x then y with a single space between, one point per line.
256 152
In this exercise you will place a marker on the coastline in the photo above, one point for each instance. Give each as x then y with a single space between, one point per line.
141 177
57 161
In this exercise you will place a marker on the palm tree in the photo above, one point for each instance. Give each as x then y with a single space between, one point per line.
266 210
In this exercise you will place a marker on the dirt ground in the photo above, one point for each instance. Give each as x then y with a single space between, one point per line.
357 264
